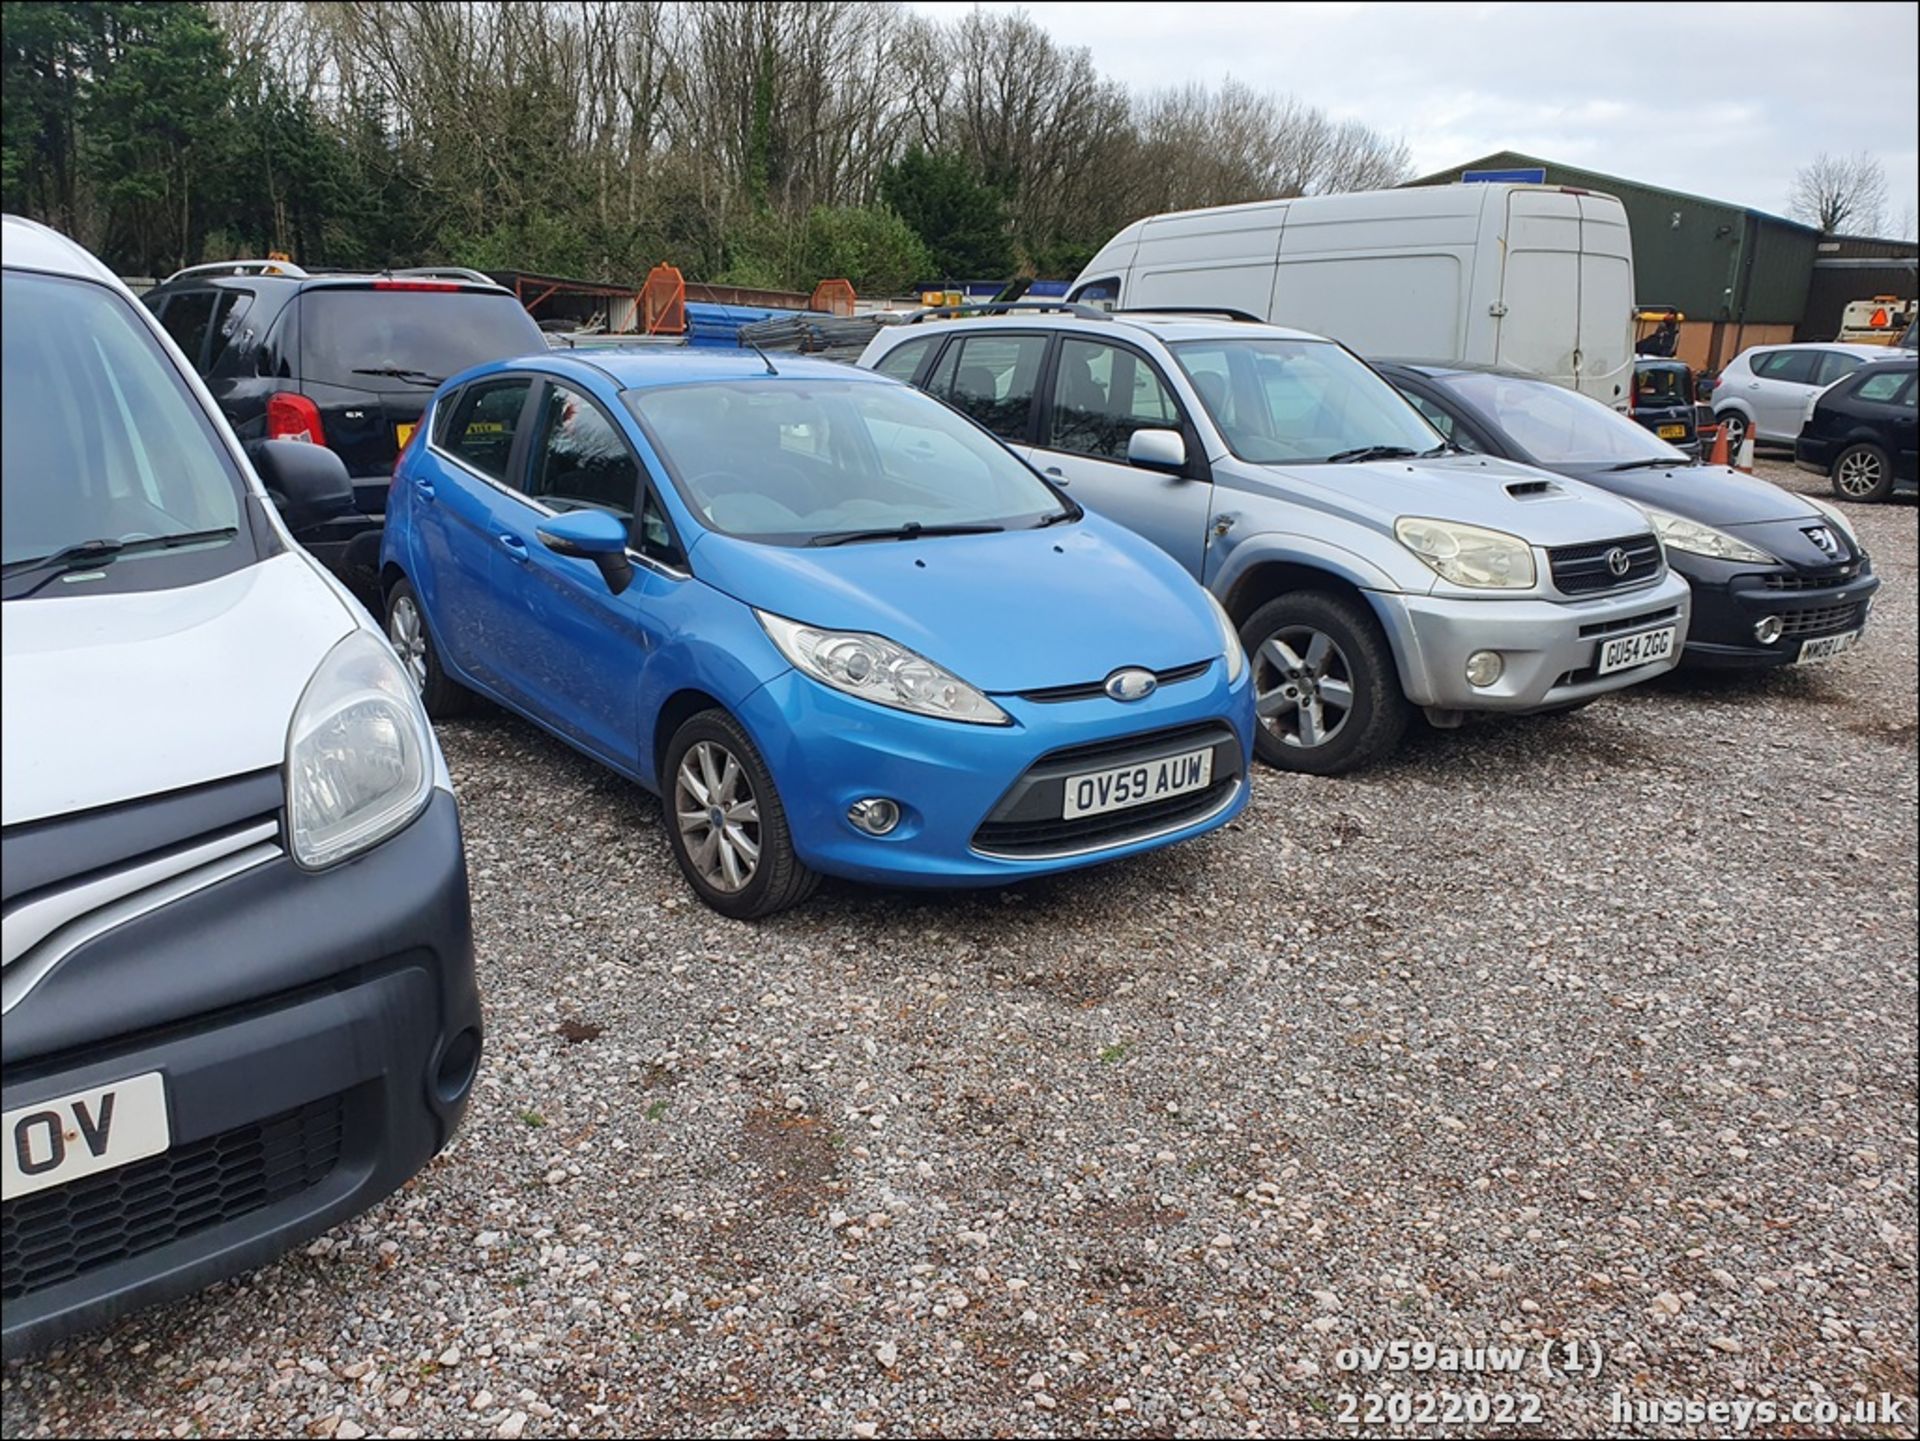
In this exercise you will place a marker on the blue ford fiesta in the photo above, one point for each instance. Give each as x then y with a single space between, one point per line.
836 626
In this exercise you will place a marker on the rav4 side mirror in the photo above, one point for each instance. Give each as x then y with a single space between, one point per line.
591 535
307 483
1163 450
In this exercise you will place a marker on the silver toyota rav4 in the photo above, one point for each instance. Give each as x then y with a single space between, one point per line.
1370 566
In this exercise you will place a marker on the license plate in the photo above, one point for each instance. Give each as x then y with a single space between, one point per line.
1672 432
404 433
1642 648
58 1141
1826 647
1137 785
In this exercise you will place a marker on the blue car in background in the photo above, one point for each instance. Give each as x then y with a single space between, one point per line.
837 627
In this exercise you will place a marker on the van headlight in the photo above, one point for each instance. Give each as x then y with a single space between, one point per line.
1235 653
1676 532
876 669
1467 554
359 754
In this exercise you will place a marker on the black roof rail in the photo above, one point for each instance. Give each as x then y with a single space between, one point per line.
1225 312
1009 307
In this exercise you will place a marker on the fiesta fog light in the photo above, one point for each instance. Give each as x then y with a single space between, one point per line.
1767 629
1484 667
876 815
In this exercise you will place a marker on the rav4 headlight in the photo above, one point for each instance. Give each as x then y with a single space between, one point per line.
876 669
1678 533
1468 555
1236 655
359 754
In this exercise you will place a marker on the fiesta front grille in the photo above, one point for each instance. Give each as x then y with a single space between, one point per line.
1820 620
1590 569
55 1235
1095 689
1029 821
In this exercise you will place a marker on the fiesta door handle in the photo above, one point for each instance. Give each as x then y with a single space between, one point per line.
423 488
514 547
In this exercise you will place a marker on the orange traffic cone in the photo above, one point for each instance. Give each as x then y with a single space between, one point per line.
1744 460
1719 456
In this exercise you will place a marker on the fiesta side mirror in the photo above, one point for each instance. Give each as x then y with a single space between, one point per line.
591 535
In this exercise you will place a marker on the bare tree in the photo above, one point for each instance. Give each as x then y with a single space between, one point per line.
1837 191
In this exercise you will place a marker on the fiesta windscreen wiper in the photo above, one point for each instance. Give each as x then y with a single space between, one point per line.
912 530
1371 452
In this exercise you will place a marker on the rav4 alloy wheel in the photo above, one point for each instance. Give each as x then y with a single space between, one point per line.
1326 691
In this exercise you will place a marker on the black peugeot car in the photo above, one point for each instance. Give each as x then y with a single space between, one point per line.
1777 577
347 361
1861 433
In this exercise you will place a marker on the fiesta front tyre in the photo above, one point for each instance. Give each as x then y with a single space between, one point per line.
725 821
1326 690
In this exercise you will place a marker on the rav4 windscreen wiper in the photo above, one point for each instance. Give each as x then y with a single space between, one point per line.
1658 462
1371 452
1059 517
415 377
912 530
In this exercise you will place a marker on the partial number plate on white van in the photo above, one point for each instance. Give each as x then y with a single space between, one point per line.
1826 647
1643 648
1138 785
59 1141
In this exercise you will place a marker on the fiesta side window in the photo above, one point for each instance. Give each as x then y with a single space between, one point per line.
481 425
581 461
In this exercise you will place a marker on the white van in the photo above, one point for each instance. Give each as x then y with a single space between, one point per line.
1530 277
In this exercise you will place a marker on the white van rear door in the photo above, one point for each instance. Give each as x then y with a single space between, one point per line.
1540 289
1606 301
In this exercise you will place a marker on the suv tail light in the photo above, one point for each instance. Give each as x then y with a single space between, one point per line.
291 416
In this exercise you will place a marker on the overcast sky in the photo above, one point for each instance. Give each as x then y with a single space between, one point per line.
1725 101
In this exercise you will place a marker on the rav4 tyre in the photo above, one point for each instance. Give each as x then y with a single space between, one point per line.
725 822
1327 693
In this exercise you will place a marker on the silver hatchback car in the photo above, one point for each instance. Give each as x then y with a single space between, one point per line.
1371 567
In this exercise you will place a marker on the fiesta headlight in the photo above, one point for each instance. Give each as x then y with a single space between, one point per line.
1468 555
1678 533
1235 653
1838 520
878 670
359 754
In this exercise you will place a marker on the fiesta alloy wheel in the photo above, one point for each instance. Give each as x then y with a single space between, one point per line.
725 822
407 632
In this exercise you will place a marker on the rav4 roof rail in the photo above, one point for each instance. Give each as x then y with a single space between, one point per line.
240 267
1009 307
447 272
1225 312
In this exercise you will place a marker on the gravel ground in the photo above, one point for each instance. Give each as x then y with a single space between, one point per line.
1595 1029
